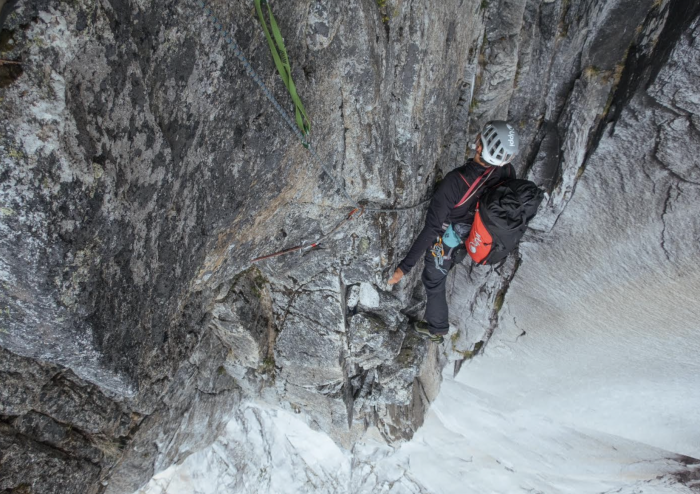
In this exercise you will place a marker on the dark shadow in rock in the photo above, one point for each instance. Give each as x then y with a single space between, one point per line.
5 9
546 169
10 70
416 306
9 73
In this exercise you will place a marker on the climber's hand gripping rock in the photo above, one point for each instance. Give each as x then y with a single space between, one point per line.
396 277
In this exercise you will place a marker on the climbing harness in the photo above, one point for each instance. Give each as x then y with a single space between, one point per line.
303 125
438 251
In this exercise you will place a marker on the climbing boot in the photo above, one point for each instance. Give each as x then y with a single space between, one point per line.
421 327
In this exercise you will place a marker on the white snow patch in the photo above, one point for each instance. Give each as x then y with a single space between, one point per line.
471 442
261 451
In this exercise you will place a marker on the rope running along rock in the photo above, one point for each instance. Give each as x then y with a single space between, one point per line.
302 138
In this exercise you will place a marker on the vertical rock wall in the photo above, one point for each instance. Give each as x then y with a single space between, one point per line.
575 66
142 169
599 328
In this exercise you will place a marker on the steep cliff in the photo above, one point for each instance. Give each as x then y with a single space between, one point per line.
142 168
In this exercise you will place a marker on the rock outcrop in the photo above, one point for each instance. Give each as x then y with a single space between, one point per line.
141 169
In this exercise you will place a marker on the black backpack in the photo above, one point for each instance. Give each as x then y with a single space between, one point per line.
502 215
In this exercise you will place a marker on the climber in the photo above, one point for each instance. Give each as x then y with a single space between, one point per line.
449 219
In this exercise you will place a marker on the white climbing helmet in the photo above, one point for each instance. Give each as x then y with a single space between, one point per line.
500 143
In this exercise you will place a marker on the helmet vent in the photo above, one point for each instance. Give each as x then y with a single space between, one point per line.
499 143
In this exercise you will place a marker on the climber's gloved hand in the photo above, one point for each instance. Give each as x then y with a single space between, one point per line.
396 277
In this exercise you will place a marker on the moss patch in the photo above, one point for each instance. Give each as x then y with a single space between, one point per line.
384 10
363 247
405 356
268 367
469 354
259 282
16 154
256 279
498 302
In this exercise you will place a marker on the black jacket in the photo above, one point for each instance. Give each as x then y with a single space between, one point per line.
442 208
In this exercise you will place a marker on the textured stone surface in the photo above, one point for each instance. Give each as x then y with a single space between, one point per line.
141 169
617 329
565 89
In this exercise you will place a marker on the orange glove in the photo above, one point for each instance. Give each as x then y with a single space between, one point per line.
398 274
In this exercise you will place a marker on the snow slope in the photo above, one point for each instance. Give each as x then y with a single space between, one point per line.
472 442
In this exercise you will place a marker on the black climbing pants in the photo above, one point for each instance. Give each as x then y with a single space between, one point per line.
434 282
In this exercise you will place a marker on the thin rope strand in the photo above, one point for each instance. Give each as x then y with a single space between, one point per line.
287 119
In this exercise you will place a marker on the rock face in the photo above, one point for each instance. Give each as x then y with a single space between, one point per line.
141 169
618 327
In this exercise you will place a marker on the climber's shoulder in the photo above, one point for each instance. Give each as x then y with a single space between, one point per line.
471 170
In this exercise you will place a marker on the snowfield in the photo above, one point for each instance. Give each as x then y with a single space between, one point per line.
472 442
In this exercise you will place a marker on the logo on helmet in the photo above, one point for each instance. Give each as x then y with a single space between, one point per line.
511 136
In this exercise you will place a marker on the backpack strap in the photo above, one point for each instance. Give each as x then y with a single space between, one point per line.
473 187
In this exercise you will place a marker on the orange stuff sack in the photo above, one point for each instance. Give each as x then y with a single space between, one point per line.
501 219
479 241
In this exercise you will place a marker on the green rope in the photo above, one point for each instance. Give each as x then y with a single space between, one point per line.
228 38
279 55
